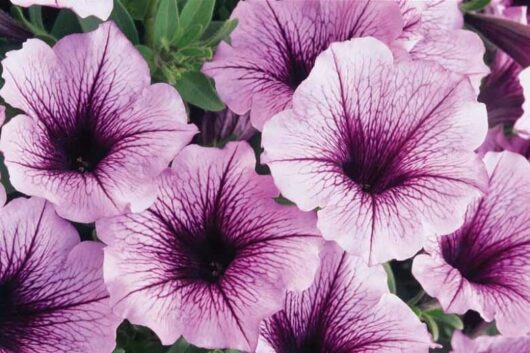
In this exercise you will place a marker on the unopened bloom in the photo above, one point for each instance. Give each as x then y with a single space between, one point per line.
11 29
510 36
213 256
485 265
348 309
52 295
95 130
382 147
489 344
219 128
84 8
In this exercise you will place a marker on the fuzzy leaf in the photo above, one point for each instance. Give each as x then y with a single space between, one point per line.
166 22
197 89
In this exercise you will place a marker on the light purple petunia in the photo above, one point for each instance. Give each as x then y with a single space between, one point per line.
485 265
348 309
276 43
95 130
52 295
489 344
84 8
213 256
382 147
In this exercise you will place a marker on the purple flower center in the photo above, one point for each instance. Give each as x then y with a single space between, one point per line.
8 316
475 266
298 72
211 254
373 175
81 149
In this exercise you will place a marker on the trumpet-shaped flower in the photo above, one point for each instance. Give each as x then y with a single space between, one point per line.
485 265
213 256
52 295
275 45
382 147
95 130
348 309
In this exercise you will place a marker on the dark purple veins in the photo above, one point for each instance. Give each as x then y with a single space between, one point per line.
80 148
208 253
373 175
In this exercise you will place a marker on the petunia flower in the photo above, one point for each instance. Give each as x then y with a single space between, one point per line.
84 8
348 309
95 130
275 45
52 295
213 256
489 344
485 265
382 147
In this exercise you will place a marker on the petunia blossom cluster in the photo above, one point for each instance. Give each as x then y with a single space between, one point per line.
359 137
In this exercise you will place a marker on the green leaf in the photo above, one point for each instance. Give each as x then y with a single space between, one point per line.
223 33
417 298
90 23
125 22
283 201
37 31
137 9
166 22
390 278
65 23
119 350
180 346
197 89
474 5
448 319
191 35
196 12
433 326
35 17
196 52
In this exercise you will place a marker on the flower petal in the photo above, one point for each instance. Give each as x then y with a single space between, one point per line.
90 144
56 282
275 46
485 265
214 254
347 309
488 344
84 8
523 124
379 148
